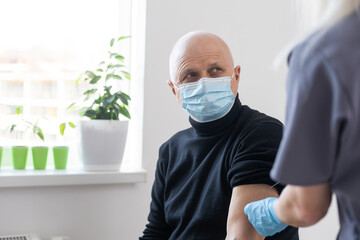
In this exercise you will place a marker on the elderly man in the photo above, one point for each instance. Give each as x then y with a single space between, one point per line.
206 174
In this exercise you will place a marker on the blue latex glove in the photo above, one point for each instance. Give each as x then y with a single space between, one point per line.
262 216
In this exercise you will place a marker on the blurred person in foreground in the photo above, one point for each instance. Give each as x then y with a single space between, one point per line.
320 151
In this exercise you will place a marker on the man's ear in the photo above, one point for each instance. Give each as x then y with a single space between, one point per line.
235 84
237 73
171 85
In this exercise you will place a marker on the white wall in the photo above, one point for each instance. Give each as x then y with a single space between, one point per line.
255 30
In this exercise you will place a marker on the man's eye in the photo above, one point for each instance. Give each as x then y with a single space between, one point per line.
217 69
190 75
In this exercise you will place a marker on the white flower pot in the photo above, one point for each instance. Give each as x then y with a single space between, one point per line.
102 144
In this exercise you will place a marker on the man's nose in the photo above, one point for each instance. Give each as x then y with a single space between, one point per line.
204 74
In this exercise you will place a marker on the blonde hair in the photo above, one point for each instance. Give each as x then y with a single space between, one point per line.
319 14
315 15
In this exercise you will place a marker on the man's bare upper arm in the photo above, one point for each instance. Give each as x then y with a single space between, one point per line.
238 226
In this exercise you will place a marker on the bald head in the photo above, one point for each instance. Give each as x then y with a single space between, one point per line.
193 50
199 55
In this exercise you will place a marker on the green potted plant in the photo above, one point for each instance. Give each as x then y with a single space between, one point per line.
103 133
61 153
19 153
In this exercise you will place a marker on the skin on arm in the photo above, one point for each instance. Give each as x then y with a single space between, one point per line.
238 225
303 206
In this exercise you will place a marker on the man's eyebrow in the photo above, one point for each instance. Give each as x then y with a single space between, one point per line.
215 64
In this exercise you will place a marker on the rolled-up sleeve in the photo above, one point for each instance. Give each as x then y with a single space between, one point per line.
255 156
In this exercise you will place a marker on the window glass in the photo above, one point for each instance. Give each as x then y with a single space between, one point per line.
44 46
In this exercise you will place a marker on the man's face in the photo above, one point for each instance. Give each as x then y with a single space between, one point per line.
203 57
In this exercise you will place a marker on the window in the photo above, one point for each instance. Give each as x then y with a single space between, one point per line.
45 45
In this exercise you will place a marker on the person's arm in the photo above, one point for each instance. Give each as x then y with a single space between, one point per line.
238 226
157 228
297 206
249 177
303 206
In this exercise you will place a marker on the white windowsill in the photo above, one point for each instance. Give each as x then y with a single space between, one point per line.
36 178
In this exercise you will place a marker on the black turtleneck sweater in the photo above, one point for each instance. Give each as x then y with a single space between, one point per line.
198 168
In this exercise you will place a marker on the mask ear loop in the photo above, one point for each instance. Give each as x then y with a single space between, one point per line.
176 87
233 75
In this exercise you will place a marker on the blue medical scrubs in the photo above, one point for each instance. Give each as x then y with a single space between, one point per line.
321 139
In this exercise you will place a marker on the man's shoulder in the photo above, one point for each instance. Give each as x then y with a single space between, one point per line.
177 137
255 119
258 128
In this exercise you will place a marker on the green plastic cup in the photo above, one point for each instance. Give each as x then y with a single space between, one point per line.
19 155
39 155
60 157
1 151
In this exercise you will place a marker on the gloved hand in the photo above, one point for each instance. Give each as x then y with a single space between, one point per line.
262 216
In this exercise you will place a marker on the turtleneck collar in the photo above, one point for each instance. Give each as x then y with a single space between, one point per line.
217 126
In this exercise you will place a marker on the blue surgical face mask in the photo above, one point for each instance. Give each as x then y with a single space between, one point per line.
207 99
